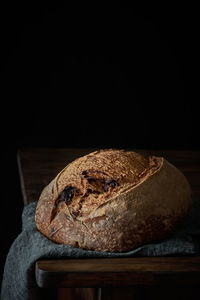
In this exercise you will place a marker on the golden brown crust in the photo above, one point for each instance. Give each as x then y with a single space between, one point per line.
113 200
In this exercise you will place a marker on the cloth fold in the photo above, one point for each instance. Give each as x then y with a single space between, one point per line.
19 271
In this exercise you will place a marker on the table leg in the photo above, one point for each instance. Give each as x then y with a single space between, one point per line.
106 293
79 294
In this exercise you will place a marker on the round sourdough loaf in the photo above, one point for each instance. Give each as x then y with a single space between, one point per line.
113 200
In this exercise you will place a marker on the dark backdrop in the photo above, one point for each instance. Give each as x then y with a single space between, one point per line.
93 77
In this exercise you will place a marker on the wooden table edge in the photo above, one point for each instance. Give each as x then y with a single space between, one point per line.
82 274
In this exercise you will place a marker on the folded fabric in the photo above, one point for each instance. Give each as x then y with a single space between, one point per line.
19 281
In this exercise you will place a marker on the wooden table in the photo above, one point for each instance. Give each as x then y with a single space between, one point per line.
111 278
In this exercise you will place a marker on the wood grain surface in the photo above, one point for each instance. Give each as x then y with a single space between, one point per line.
107 272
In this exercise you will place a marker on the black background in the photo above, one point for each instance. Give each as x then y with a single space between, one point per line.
94 77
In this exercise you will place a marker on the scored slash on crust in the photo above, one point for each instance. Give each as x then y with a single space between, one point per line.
53 231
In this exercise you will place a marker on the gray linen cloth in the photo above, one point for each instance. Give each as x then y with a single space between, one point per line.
19 271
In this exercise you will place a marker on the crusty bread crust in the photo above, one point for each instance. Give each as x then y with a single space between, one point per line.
113 200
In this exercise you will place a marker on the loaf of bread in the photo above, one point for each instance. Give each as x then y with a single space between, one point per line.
113 200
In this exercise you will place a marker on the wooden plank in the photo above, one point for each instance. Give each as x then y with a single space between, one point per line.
38 166
110 272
